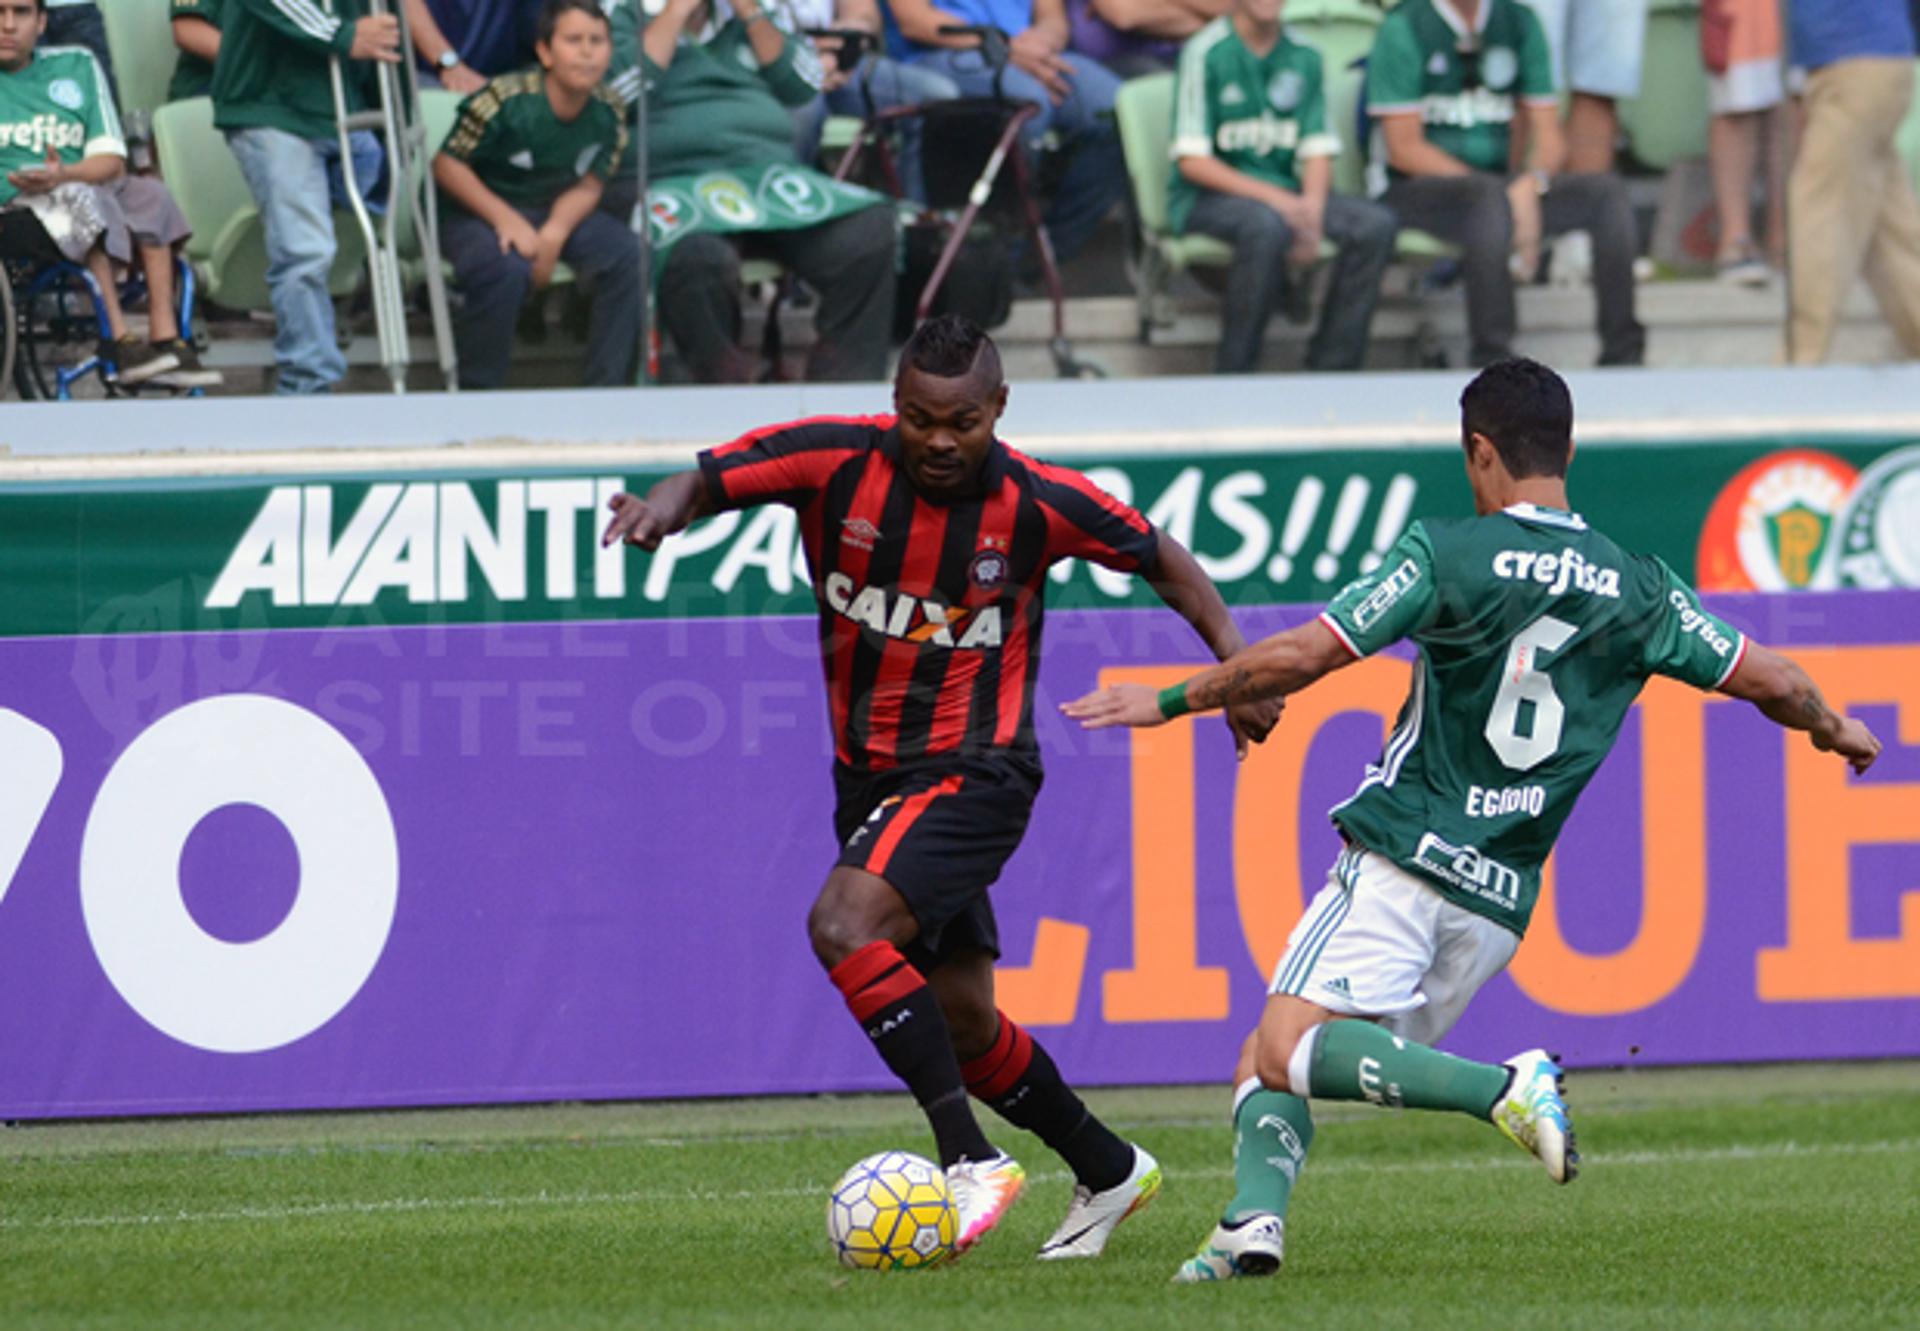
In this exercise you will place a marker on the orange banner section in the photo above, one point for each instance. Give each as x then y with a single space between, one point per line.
1828 813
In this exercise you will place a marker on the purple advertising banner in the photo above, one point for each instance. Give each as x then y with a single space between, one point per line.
472 863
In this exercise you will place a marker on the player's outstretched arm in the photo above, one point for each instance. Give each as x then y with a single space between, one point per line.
669 506
1786 694
1271 668
1180 581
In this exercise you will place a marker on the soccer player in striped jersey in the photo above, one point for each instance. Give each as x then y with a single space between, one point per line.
1535 633
929 542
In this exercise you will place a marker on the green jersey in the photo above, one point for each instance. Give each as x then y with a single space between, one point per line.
715 106
192 76
59 101
1463 82
1258 114
508 133
274 70
1535 634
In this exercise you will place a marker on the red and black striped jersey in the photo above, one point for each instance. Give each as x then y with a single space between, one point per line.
930 612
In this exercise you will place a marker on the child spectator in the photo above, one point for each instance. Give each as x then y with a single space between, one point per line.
1254 166
63 159
523 170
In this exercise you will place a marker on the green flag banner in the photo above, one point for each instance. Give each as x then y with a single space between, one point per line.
774 197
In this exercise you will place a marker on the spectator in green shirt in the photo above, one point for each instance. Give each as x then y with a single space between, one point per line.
1253 165
523 170
1446 83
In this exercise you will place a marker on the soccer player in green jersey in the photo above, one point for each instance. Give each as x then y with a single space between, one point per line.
1535 633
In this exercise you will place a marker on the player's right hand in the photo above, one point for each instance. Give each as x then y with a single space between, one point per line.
1858 745
635 522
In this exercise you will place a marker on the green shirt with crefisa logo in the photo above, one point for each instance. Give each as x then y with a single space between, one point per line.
1464 82
1535 634
1259 114
59 101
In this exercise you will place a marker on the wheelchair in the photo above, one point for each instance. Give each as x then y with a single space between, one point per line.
56 323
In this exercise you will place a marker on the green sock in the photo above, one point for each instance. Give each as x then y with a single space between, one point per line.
1271 1133
1357 1060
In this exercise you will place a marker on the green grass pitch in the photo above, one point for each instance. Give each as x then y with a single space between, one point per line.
1772 1197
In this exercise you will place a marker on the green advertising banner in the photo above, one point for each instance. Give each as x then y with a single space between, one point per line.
465 546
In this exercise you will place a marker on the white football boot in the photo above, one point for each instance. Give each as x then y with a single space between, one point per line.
1093 1216
982 1191
1532 1112
1253 1247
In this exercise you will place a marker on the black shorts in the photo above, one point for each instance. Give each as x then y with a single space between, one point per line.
939 833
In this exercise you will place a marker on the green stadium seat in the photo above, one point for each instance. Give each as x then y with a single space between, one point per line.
1667 122
228 246
140 39
1143 109
1342 31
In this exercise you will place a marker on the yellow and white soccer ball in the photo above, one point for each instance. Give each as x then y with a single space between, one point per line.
892 1211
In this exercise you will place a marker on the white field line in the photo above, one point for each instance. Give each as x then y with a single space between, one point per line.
407 1205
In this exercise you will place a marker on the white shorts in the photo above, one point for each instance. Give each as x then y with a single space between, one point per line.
1596 44
1377 941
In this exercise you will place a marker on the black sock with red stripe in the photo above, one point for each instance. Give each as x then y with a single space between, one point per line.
894 1006
1021 1083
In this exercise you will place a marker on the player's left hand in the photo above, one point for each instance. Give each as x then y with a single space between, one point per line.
1853 741
1116 705
1252 722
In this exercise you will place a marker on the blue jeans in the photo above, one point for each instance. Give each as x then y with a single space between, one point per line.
880 84
605 257
295 182
1096 173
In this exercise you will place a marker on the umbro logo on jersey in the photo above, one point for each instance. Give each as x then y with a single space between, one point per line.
1557 573
1437 64
1231 95
522 159
913 618
858 533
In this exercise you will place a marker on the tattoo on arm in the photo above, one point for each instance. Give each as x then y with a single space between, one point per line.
1235 686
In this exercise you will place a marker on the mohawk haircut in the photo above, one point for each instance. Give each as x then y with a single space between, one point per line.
950 346
1526 410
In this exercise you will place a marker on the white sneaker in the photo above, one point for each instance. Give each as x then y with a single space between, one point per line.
982 1191
1093 1216
1253 1247
1532 1112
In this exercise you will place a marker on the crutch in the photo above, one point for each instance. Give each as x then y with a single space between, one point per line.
403 132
